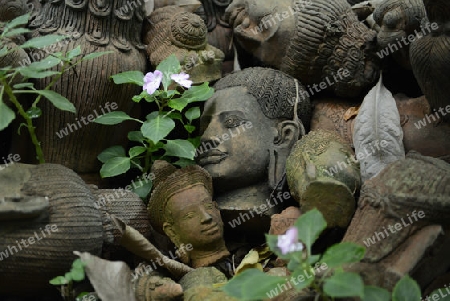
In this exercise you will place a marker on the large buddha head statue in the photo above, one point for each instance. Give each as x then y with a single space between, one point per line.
308 39
248 128
181 207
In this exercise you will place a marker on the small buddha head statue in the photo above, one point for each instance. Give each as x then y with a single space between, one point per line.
249 126
181 207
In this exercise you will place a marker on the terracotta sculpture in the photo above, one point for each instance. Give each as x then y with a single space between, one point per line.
422 130
220 34
173 30
401 213
181 206
248 129
310 40
323 173
11 9
430 58
96 26
398 20
47 212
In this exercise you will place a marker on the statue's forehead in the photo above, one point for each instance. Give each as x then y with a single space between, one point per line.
231 99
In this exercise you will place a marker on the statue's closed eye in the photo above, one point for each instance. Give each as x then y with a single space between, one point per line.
189 215
233 121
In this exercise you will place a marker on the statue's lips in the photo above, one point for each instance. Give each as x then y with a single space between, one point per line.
212 229
212 157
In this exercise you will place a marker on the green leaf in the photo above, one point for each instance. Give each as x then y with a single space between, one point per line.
6 115
144 190
195 141
144 94
77 274
252 284
302 278
157 128
74 53
192 113
115 166
309 226
59 280
183 162
189 128
3 51
43 41
136 136
180 149
343 253
313 259
373 293
293 265
95 55
178 104
440 293
198 93
111 152
112 118
344 285
57 100
15 32
175 116
36 73
23 85
20 20
46 63
136 151
169 66
129 77
34 112
78 264
406 289
153 115
68 276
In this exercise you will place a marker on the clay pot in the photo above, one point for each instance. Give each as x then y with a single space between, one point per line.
430 56
51 213
96 26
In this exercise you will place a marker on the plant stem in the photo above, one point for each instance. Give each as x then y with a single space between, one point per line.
148 155
30 127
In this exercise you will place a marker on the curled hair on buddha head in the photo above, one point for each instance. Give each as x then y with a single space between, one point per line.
275 91
169 181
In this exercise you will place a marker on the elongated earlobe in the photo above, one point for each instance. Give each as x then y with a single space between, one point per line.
287 135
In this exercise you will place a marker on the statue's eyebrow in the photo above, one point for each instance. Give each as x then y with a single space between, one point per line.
238 113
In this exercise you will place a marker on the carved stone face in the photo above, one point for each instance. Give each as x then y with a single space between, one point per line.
196 218
235 139
262 26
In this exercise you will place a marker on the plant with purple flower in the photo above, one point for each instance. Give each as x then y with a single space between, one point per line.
320 275
174 94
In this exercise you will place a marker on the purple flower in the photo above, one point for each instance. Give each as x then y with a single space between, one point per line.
289 242
182 79
152 80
